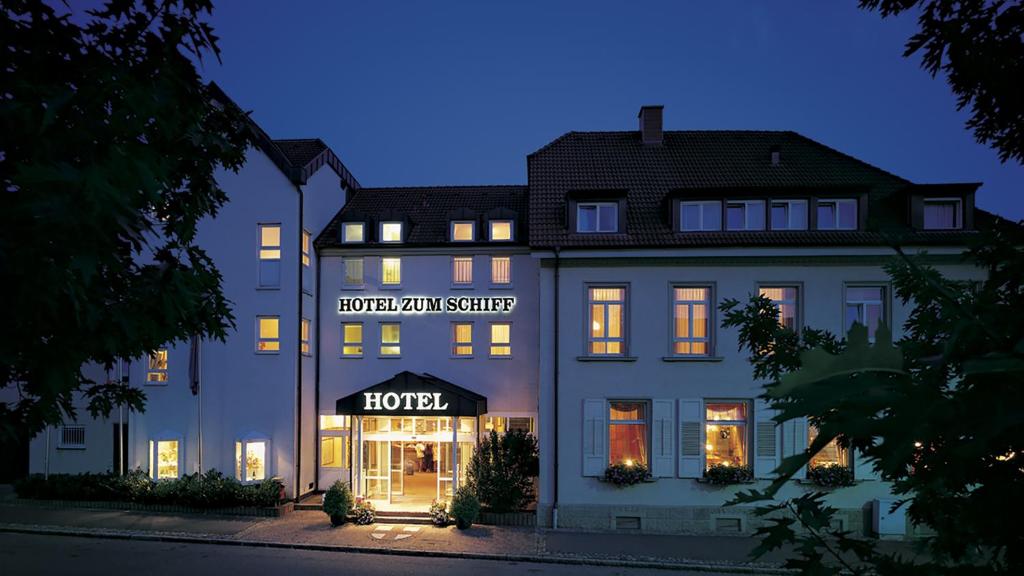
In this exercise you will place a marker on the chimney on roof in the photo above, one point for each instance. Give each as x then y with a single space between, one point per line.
650 124
776 155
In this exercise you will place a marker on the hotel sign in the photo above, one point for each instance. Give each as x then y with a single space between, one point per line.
392 401
426 305
411 394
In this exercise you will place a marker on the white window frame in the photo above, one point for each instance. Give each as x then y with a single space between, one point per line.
381 343
361 343
63 442
494 284
716 204
344 232
154 446
958 213
260 339
307 246
597 217
345 432
789 203
462 285
511 230
798 288
646 421
845 455
862 304
456 344
241 467
491 343
385 285
269 264
837 202
490 416
305 337
401 231
748 427
472 230
624 338
165 371
746 214
344 273
708 303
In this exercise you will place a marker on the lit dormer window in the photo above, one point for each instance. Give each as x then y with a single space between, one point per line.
943 214
837 214
463 232
597 217
390 231
353 232
501 230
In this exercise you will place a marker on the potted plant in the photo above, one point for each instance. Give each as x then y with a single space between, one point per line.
439 513
363 512
465 507
830 475
626 474
724 474
338 502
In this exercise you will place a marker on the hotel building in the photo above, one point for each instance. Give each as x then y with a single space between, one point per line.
382 331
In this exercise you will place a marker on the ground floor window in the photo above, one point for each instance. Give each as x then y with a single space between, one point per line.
164 459
726 428
251 459
627 432
156 372
502 424
334 441
831 454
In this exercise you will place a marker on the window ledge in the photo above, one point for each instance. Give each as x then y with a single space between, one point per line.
155 384
268 287
692 358
710 483
606 358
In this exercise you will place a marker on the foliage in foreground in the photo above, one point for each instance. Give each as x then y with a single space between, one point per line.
338 501
465 507
937 414
621 475
502 469
211 489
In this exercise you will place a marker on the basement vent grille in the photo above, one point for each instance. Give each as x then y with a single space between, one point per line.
728 525
72 437
627 523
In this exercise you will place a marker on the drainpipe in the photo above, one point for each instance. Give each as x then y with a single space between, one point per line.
554 507
316 376
298 355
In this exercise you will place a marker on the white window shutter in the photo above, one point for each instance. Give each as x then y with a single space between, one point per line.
691 439
794 441
595 430
862 468
766 440
663 438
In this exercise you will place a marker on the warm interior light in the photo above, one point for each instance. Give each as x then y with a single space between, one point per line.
917 444
726 463
629 463
1006 457
709 447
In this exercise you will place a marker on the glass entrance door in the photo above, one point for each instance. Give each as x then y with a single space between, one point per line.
397 468
376 469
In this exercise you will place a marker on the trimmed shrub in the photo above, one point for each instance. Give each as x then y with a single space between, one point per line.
722 475
439 513
830 475
621 475
338 502
465 507
363 512
502 470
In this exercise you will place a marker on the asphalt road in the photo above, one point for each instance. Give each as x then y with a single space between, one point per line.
25 554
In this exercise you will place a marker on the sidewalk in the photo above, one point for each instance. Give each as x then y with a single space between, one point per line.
311 530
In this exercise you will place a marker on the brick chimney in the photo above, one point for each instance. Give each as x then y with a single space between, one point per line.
650 124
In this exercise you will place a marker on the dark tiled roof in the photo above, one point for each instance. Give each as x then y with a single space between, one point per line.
428 210
301 151
692 163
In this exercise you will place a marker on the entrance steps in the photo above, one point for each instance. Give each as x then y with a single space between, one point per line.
396 517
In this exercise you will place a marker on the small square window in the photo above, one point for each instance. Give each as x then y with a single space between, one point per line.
353 232
391 232
72 437
837 214
501 230
501 339
270 242
157 369
462 271
866 305
594 217
700 216
353 272
463 231
268 334
391 271
390 339
462 339
352 339
501 271
943 214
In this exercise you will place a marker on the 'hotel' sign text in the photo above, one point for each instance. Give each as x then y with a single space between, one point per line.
426 305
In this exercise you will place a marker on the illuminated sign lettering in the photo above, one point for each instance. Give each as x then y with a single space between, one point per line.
425 401
426 305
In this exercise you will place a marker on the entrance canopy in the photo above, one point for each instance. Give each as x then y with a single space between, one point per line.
411 394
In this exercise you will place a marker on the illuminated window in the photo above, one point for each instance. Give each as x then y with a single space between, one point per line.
462 339
700 216
865 305
789 214
307 271
832 453
606 321
501 230
837 214
627 433
501 339
692 324
334 441
353 272
501 270
157 370
725 433
943 214
391 232
353 232
306 241
352 339
391 271
390 339
502 424
744 215
270 255
251 460
463 231
462 271
785 300
164 454
597 217
305 331
268 334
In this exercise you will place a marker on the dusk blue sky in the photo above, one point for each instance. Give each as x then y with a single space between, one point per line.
425 93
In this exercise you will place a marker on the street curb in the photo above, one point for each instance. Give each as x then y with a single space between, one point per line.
222 541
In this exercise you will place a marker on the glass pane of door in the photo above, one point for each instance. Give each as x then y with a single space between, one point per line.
444 470
397 461
376 464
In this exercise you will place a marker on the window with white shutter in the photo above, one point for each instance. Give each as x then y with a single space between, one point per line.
691 446
794 440
663 438
595 456
766 440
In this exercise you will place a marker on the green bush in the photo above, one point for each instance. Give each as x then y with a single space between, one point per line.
465 507
622 475
338 502
363 512
502 469
830 475
722 474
